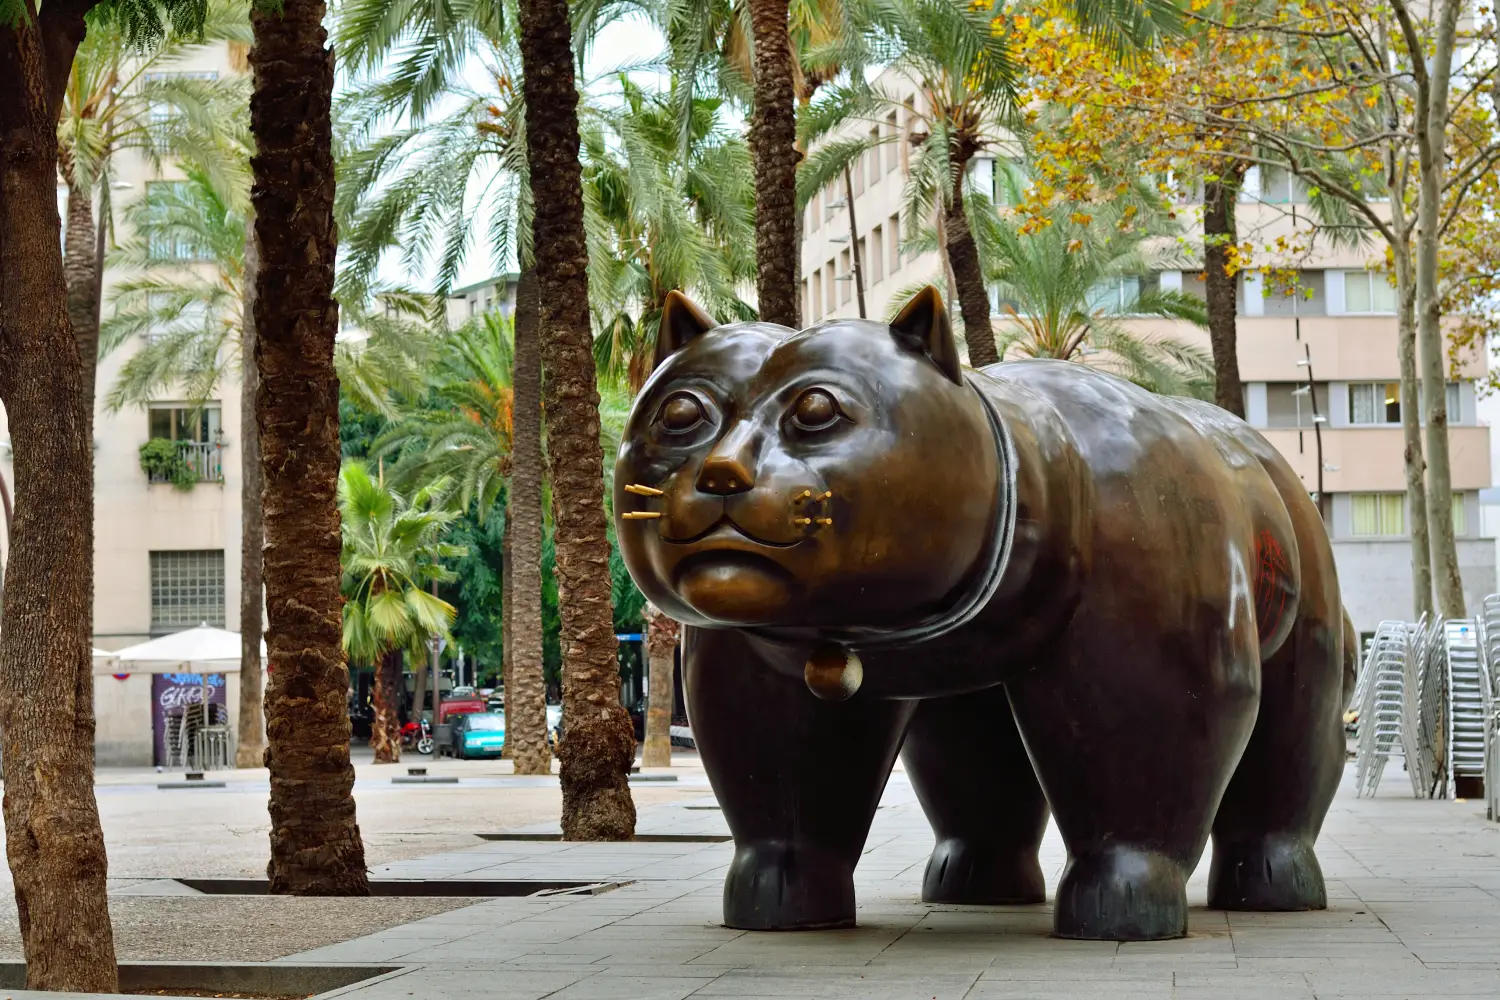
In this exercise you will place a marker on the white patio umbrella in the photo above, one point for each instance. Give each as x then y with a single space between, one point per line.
192 650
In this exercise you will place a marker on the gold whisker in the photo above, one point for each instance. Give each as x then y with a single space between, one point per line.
825 520
825 496
802 496
640 515
643 491
802 520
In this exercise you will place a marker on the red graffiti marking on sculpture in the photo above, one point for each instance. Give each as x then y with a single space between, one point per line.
1273 574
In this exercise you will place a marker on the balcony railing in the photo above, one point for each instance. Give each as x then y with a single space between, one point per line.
204 459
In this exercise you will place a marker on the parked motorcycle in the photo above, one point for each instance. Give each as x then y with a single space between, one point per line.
417 736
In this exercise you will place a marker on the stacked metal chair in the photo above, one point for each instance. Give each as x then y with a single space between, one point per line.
1488 628
1384 718
1468 704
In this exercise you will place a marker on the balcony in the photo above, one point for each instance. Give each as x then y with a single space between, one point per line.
182 463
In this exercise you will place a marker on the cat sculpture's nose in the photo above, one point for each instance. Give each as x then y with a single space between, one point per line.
727 470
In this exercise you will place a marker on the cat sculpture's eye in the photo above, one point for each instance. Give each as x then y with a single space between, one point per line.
815 410
681 413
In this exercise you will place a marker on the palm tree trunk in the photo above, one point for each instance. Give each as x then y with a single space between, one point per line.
773 150
419 698
1411 433
250 749
53 840
599 742
81 266
507 591
385 733
661 644
315 843
1219 236
963 256
525 695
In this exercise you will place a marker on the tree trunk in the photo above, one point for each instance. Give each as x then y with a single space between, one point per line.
250 750
1411 432
773 150
661 644
598 746
80 266
1431 141
419 699
53 839
315 843
525 695
963 257
940 226
385 732
1219 236
507 588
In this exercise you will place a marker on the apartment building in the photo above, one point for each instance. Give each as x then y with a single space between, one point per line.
166 557
1319 365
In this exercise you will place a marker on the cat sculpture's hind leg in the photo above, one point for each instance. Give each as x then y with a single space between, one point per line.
799 781
986 807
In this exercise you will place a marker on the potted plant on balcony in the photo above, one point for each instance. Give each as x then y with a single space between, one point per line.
163 462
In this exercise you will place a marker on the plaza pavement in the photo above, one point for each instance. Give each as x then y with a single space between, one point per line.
1414 890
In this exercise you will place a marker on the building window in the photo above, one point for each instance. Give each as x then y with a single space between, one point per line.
187 590
845 278
1289 404
893 143
473 308
161 113
877 254
873 156
815 211
1115 296
1459 528
1377 514
185 423
864 261
162 199
1367 292
894 228
806 303
830 282
1375 402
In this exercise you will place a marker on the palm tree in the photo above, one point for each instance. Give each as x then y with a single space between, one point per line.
54 843
392 551
1067 288
118 99
662 219
315 843
598 745
191 318
958 55
411 186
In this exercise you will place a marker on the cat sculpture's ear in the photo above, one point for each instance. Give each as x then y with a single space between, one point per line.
922 327
682 321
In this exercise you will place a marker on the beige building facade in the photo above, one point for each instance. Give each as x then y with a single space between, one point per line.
1343 322
165 558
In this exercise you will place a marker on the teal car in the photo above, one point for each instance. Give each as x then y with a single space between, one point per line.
481 734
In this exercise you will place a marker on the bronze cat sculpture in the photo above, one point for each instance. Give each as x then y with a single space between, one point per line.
1041 584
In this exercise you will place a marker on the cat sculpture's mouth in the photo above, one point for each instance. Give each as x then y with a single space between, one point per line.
725 530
